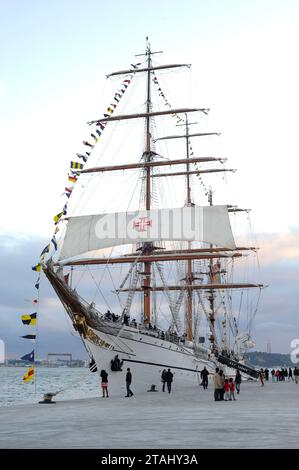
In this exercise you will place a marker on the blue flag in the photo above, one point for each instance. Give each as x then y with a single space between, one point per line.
28 357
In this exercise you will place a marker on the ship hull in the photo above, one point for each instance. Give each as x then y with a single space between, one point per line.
146 356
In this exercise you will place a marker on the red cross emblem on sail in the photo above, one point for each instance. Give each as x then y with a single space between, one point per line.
141 224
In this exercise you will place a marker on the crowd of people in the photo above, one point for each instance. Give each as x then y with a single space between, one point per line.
280 375
147 328
224 387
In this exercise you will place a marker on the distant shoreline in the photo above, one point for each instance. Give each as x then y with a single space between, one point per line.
43 365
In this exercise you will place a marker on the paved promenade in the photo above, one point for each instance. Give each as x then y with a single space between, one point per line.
262 417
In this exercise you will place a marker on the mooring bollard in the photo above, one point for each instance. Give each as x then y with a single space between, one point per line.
153 388
48 398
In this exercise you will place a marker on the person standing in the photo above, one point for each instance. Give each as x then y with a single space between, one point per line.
238 380
163 379
273 375
222 379
277 375
231 389
296 375
204 377
169 379
104 383
217 385
226 389
290 377
128 383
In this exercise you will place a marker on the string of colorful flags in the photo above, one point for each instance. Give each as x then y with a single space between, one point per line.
73 175
179 121
30 319
76 166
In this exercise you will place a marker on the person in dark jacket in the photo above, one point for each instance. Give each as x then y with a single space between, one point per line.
169 379
163 379
238 380
128 383
104 383
222 379
204 377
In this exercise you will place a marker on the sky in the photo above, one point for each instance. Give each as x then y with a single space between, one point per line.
54 57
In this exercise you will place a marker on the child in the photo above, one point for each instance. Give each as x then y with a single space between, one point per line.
226 389
231 389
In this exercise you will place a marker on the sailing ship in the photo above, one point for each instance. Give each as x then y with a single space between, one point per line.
173 264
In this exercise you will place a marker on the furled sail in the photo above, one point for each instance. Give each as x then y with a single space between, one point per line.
209 224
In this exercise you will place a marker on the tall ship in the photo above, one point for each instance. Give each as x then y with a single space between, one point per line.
146 264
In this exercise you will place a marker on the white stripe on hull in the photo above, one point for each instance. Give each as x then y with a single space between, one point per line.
146 356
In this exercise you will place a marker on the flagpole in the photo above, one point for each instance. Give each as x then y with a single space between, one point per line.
35 344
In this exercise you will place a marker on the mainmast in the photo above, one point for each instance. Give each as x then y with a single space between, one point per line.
147 248
211 297
189 274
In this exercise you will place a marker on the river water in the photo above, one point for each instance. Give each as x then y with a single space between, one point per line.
78 381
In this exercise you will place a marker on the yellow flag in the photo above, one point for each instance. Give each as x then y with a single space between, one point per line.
58 217
29 319
37 268
29 375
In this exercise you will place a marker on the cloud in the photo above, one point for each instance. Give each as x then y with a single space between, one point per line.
279 246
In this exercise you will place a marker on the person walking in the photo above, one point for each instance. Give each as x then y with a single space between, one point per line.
262 377
290 376
273 375
204 377
238 380
104 384
163 379
169 379
296 375
128 383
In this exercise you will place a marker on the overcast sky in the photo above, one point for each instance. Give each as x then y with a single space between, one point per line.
54 58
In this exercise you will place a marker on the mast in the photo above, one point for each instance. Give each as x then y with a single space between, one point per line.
147 248
211 296
189 274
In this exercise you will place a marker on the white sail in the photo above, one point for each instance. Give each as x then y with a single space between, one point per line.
209 224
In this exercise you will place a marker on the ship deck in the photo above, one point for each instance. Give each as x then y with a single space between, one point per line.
262 417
